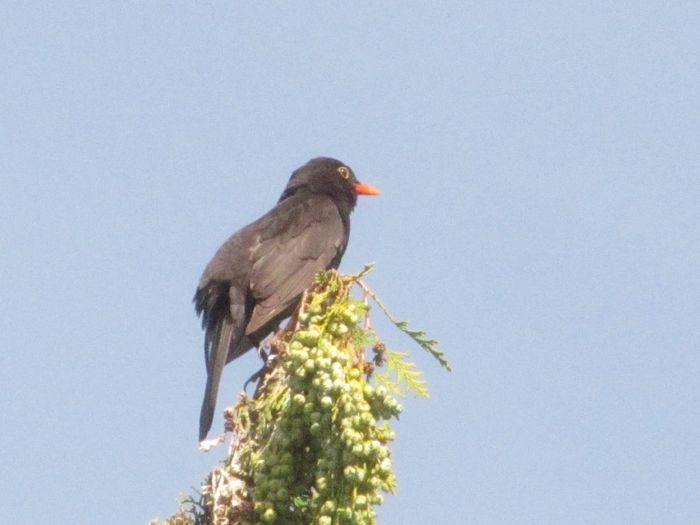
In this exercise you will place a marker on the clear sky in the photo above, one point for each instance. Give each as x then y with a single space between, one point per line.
540 167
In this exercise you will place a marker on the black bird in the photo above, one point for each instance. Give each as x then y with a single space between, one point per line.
258 275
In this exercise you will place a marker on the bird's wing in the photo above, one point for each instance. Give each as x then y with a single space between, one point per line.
311 237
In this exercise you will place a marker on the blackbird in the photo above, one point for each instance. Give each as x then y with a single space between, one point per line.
257 277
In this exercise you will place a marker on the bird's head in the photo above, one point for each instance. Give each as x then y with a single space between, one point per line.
331 177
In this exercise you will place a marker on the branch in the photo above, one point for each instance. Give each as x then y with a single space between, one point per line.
312 445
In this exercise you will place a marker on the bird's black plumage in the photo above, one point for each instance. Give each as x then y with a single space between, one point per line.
258 275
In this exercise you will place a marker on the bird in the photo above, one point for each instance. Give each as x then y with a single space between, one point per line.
259 274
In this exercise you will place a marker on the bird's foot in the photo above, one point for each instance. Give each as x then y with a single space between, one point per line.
254 377
262 354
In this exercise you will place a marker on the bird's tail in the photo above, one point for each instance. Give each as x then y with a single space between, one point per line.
216 359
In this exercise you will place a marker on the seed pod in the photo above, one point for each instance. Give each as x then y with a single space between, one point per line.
314 308
285 471
376 499
269 516
321 483
350 473
346 514
385 465
375 482
328 507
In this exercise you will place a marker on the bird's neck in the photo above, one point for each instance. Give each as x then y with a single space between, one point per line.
345 203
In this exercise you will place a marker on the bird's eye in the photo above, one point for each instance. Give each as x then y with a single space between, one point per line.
344 172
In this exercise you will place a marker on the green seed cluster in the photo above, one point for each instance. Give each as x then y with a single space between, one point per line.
320 452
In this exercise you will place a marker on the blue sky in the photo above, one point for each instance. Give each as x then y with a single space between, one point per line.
539 162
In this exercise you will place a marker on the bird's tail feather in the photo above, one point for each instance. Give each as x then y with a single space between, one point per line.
216 360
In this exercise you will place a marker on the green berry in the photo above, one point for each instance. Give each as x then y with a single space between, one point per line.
350 473
385 465
376 499
314 308
269 516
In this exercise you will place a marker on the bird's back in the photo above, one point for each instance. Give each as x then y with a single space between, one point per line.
274 259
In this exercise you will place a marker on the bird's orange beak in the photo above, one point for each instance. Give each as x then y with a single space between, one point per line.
366 189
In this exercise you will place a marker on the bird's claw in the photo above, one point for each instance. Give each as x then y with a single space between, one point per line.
254 377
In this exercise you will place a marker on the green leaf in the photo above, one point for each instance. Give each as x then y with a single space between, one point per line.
418 336
406 372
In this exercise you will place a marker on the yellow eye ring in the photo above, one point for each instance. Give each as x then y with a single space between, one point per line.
344 172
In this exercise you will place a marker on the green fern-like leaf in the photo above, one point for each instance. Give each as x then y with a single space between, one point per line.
418 336
406 373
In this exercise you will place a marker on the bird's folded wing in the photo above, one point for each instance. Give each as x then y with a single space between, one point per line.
285 265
